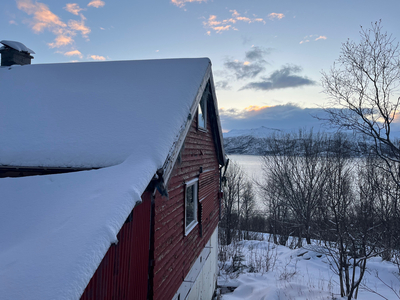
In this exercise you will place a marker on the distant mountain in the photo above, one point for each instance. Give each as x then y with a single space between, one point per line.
246 144
248 141
254 141
261 132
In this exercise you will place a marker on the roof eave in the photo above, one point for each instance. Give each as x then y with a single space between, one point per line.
176 147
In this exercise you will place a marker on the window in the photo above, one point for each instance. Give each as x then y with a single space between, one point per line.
202 112
191 205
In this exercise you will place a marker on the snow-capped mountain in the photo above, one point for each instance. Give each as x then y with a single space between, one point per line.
255 141
261 132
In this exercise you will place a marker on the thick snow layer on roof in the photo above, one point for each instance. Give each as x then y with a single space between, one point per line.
17 46
93 114
55 229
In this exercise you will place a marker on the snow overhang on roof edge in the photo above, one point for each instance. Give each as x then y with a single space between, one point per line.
175 149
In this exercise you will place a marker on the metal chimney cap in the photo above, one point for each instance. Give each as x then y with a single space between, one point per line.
17 46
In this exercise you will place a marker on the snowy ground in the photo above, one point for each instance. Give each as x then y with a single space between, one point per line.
271 272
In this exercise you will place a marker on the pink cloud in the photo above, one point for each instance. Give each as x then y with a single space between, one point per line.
218 29
73 8
79 26
43 18
235 14
73 53
97 57
96 3
278 16
61 40
212 21
259 20
321 37
181 3
220 26
245 19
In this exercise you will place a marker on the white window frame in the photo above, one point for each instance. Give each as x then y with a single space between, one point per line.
204 112
195 184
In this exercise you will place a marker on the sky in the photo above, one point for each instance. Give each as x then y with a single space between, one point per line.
267 56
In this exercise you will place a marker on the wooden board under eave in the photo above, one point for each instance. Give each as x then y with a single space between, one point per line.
175 253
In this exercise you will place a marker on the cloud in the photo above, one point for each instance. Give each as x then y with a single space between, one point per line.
219 29
61 40
97 57
217 26
96 3
181 3
273 16
243 69
73 8
74 53
212 21
222 85
307 38
321 37
257 54
12 22
226 24
244 19
253 64
284 117
281 79
43 18
79 26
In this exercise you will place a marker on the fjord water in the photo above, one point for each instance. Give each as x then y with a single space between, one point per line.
250 164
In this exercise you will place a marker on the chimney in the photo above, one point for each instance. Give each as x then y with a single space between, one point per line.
15 53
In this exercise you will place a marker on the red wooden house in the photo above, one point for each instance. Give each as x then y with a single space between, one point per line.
128 203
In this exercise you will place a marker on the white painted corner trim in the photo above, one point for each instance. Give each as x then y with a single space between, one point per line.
200 282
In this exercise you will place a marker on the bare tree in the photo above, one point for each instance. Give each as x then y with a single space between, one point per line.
247 208
295 178
233 186
383 194
363 88
338 231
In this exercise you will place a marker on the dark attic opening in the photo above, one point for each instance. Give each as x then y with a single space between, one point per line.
15 53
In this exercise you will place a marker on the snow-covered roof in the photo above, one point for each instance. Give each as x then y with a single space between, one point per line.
93 114
55 229
17 46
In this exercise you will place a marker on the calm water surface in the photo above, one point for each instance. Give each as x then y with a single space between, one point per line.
250 164
252 167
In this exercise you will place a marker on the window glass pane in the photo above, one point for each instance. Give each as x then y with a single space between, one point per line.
202 116
190 203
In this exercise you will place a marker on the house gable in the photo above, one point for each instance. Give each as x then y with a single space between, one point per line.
175 252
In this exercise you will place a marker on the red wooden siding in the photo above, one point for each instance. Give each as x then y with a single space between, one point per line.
123 272
175 253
